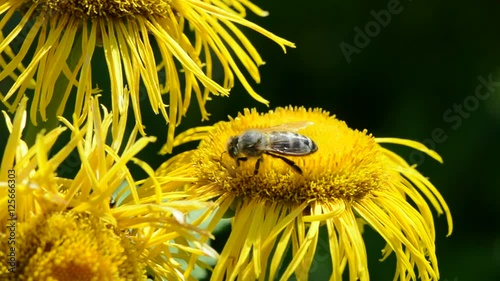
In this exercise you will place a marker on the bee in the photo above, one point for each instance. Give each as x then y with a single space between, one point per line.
277 141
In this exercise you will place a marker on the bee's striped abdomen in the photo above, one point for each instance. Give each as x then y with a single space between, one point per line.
291 143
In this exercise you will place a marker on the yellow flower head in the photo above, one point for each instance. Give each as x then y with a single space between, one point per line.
100 224
280 204
69 246
190 36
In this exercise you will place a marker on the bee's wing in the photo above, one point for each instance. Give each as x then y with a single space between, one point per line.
291 127
285 147
289 143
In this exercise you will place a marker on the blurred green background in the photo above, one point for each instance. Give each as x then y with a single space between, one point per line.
408 69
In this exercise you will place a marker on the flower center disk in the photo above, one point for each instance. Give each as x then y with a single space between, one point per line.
103 8
349 164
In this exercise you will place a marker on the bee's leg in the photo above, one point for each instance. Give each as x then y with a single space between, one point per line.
292 164
240 159
257 165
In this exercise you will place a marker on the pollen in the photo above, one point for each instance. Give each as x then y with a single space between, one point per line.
349 164
71 246
103 8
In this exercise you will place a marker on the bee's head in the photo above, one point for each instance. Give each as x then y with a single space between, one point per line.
232 147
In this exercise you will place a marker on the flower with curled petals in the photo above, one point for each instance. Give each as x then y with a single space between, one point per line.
165 49
100 224
350 181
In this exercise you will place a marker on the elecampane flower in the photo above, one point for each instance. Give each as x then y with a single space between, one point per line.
350 181
145 43
100 224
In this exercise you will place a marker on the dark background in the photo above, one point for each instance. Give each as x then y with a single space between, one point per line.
415 77
408 81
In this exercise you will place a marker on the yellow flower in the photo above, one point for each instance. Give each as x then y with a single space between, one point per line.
348 182
191 36
100 224
74 246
